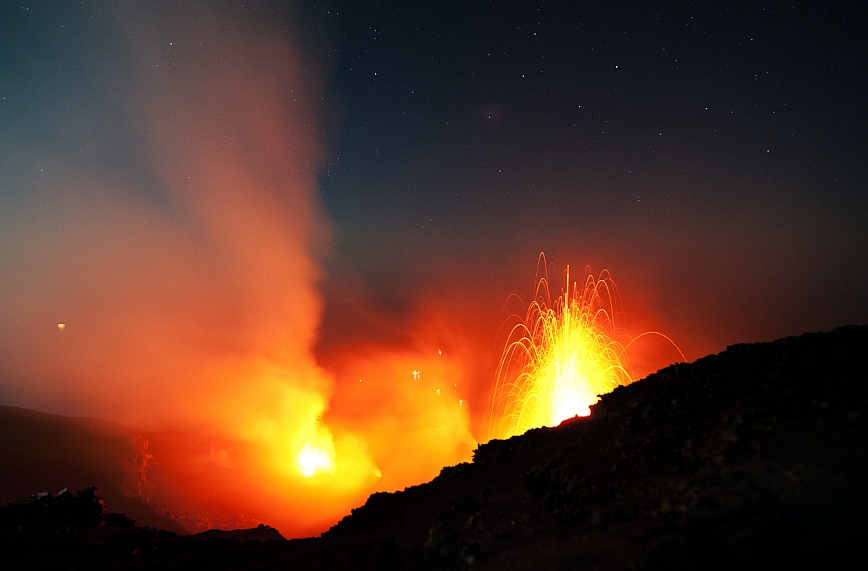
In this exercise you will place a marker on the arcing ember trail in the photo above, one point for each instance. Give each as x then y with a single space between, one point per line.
561 356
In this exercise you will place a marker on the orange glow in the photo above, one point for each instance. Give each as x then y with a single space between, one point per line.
560 357
189 303
408 409
313 460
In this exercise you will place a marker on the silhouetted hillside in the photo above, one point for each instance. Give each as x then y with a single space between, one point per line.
47 452
752 457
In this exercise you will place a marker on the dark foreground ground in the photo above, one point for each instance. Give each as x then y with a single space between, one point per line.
755 457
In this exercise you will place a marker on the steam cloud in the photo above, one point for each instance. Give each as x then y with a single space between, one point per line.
160 246
183 295
211 266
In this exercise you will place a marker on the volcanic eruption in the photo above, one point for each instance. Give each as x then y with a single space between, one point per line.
562 355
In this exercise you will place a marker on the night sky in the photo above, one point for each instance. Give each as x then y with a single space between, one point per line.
233 205
711 157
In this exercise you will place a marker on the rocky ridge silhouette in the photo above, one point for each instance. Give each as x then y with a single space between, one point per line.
752 457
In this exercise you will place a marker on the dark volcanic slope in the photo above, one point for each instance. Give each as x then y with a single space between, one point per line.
755 456
755 453
48 452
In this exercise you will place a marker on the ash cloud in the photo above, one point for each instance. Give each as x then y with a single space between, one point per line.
160 255
182 260
203 256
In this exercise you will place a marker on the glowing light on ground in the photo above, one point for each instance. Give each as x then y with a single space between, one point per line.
314 460
560 356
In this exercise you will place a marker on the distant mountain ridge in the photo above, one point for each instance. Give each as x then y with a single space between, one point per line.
43 452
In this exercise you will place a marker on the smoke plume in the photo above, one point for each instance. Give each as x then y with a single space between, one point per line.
170 281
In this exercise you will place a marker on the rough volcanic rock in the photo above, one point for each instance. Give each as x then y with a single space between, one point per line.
752 457
44 513
40 451
259 533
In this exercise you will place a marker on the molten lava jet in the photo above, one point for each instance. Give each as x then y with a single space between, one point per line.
561 356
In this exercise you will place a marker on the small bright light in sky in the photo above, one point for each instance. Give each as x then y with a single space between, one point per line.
61 327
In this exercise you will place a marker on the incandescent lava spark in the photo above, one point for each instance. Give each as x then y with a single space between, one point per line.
560 357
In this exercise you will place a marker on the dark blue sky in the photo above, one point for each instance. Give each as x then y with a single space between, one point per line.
713 154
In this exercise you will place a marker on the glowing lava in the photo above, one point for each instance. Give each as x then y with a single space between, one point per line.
559 358
314 460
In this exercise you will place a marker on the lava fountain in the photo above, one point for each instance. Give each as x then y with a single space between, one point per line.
561 356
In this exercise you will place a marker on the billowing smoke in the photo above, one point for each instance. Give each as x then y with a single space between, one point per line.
210 266
167 278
